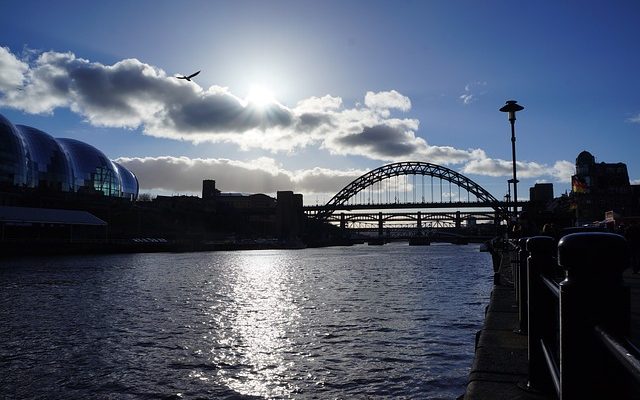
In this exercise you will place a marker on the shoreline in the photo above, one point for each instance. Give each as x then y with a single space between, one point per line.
500 365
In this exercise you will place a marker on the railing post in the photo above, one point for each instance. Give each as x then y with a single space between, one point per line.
540 304
521 284
591 294
497 250
515 275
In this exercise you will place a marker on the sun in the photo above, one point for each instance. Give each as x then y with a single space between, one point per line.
260 96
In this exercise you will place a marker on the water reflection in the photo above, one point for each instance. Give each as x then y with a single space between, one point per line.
260 315
387 322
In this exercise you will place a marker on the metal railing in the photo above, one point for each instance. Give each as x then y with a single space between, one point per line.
576 312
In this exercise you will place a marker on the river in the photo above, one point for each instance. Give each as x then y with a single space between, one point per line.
393 321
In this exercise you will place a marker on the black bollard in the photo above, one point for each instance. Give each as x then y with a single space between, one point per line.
521 285
496 248
541 306
591 295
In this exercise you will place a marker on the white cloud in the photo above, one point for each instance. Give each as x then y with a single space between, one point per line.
12 71
561 170
134 95
131 94
319 104
472 91
263 175
635 119
324 180
635 181
467 98
385 101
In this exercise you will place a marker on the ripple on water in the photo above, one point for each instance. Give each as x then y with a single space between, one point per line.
392 321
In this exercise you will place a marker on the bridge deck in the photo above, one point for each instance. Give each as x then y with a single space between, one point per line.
412 205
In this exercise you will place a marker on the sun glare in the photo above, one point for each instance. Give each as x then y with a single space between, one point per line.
260 96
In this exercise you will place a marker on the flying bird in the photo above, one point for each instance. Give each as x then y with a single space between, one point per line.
188 77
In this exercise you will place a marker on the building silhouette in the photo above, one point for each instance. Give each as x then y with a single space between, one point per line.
541 193
600 187
289 216
209 191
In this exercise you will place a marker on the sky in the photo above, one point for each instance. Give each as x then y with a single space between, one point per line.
309 95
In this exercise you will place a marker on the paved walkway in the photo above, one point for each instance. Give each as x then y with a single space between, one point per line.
500 367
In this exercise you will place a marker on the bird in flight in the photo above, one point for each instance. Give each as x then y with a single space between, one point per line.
188 77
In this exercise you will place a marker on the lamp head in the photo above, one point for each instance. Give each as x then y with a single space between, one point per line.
512 107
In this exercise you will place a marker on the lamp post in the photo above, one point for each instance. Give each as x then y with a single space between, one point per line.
512 107
509 183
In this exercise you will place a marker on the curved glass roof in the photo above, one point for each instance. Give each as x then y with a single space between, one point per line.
47 164
92 170
129 182
32 158
13 167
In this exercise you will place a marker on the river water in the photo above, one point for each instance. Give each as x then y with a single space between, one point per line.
389 321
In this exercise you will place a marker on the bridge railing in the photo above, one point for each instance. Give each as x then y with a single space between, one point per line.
576 312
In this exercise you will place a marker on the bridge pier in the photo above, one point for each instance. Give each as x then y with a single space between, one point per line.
419 225
380 225
343 222
458 220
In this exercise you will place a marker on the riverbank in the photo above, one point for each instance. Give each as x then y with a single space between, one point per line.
500 367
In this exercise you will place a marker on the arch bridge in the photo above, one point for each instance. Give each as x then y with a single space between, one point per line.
406 186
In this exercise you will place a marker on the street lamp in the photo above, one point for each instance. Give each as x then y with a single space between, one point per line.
512 107
509 183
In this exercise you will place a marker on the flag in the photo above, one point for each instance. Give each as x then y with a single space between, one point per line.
578 185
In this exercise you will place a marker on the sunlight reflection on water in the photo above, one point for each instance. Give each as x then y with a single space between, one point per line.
392 321
262 314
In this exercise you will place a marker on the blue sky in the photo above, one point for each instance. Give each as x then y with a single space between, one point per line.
352 85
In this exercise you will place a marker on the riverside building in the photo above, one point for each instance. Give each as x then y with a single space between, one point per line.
597 188
33 160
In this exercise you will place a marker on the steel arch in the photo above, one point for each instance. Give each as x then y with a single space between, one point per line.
409 168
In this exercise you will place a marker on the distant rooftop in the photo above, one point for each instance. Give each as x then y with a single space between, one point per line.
232 194
48 216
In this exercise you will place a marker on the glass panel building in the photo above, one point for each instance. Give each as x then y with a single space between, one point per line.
34 159
47 164
13 166
129 182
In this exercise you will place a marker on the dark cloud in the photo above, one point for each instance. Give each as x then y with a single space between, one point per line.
311 121
382 140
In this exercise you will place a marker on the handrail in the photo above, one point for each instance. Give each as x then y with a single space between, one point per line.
564 358
624 351
552 366
552 286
